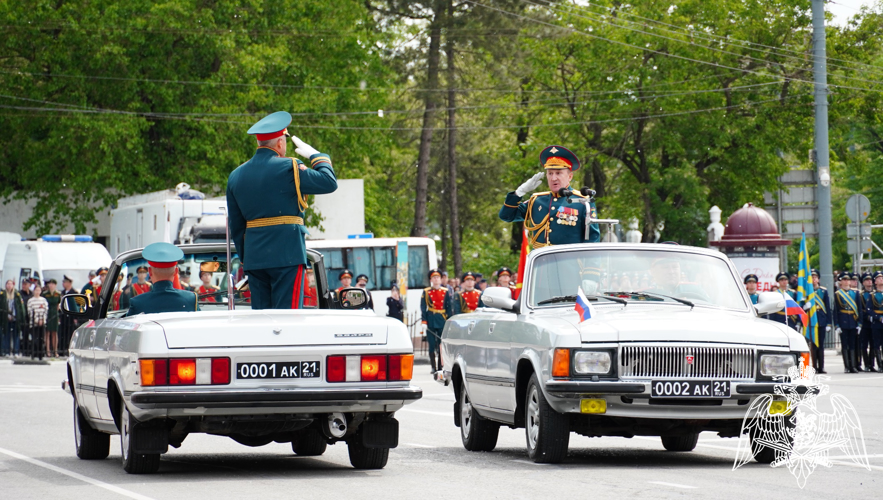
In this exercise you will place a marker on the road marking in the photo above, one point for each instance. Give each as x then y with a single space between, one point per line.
418 445
848 379
94 482
439 413
835 457
439 396
673 485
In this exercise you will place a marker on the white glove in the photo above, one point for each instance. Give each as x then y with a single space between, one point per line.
807 306
828 329
303 148
531 184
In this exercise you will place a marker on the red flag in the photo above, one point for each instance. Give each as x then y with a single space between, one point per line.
525 249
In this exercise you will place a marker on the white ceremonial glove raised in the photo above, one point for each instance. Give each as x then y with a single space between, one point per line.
303 148
807 306
531 184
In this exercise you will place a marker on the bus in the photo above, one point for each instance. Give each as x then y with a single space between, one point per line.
376 258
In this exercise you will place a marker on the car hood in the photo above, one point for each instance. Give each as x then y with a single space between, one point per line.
675 323
268 327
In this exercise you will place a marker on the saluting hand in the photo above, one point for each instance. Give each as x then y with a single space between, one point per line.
303 148
531 184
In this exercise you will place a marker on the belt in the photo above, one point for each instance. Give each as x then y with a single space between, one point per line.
437 311
847 311
275 221
877 312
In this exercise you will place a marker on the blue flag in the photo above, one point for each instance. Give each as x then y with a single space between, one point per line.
806 295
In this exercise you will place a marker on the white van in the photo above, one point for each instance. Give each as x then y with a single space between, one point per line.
53 257
5 240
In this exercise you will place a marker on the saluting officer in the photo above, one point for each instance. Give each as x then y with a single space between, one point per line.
865 356
751 287
267 201
468 299
847 317
549 218
823 320
163 297
436 307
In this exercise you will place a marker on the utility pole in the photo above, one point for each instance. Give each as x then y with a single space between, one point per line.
820 77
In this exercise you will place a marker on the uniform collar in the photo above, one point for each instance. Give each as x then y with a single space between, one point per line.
163 285
265 150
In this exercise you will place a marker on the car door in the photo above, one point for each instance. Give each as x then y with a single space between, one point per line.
500 370
100 348
474 354
84 367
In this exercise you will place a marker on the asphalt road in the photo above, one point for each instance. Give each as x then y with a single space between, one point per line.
37 459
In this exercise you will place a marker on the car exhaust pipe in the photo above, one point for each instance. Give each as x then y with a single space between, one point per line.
335 425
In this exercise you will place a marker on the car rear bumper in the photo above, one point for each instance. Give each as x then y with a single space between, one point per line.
332 399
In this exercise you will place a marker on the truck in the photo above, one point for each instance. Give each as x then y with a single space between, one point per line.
54 257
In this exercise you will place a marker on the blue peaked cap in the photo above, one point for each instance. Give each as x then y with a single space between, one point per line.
162 253
271 124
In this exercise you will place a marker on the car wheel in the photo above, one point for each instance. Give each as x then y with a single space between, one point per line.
680 443
477 433
134 463
309 444
362 457
546 430
91 444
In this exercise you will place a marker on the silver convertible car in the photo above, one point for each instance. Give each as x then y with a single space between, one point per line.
669 345
328 373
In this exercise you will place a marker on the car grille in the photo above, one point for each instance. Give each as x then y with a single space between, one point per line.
686 362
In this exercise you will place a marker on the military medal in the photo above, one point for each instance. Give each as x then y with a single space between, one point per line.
567 216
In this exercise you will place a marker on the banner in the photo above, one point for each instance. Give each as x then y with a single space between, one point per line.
402 271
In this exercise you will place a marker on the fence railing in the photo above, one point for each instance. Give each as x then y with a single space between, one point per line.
415 327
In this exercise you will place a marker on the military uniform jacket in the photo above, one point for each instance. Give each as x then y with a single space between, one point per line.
864 303
435 304
164 297
467 301
264 189
753 297
847 313
780 316
823 308
52 315
551 220
875 310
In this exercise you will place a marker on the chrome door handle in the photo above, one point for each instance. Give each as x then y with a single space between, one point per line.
471 326
491 328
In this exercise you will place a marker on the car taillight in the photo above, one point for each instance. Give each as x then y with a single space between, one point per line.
369 368
401 366
187 371
335 369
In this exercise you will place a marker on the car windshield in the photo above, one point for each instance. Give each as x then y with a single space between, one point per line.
635 275
203 273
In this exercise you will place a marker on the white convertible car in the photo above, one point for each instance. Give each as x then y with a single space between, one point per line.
673 347
312 377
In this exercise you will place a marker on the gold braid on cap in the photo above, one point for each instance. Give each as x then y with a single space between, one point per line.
556 162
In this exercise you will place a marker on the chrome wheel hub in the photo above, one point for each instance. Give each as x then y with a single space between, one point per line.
532 423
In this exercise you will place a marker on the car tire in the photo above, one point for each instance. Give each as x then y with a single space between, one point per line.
680 443
476 432
547 432
309 444
362 457
765 454
134 463
91 444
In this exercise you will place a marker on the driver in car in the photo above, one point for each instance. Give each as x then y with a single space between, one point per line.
666 274
163 297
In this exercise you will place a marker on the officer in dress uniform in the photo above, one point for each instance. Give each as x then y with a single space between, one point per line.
549 218
865 356
163 297
779 316
345 278
751 287
267 201
53 298
847 317
875 310
504 276
823 320
207 291
468 299
436 307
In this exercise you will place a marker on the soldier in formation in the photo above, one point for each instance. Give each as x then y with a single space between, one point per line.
436 307
847 317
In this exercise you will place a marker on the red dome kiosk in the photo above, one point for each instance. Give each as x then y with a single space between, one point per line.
752 240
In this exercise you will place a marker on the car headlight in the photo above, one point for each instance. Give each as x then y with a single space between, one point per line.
591 362
776 364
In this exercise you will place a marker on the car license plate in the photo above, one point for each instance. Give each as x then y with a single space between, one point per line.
279 369
690 389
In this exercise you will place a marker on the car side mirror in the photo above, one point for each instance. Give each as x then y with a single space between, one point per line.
77 305
498 297
769 302
353 298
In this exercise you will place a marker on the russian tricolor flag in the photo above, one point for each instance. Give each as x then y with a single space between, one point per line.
583 307
792 308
